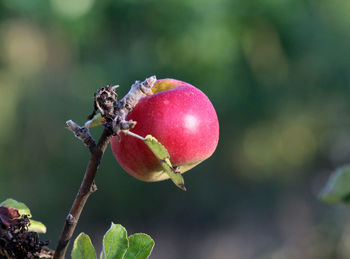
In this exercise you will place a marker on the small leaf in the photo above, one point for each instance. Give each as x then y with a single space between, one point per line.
163 156
83 248
37 226
97 120
337 188
157 148
115 242
21 207
140 246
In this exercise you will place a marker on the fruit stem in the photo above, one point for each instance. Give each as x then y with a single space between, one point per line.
127 132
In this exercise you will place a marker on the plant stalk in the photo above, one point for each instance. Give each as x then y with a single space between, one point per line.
86 188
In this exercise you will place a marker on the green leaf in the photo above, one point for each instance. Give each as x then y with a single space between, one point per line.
157 148
140 246
337 188
37 226
21 207
115 242
97 120
83 248
162 154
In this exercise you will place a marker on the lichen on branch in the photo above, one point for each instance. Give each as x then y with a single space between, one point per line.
82 133
129 101
113 112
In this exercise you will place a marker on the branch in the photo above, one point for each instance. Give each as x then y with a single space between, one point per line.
86 188
82 133
129 101
114 114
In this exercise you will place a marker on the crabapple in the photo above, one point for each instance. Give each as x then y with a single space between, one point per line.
179 116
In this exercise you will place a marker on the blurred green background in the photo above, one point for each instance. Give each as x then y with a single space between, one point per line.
277 72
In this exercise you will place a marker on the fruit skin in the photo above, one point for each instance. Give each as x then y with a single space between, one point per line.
181 117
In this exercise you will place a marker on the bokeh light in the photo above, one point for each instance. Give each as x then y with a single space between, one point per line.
24 47
72 8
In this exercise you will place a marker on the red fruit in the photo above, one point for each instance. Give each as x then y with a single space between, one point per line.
179 116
